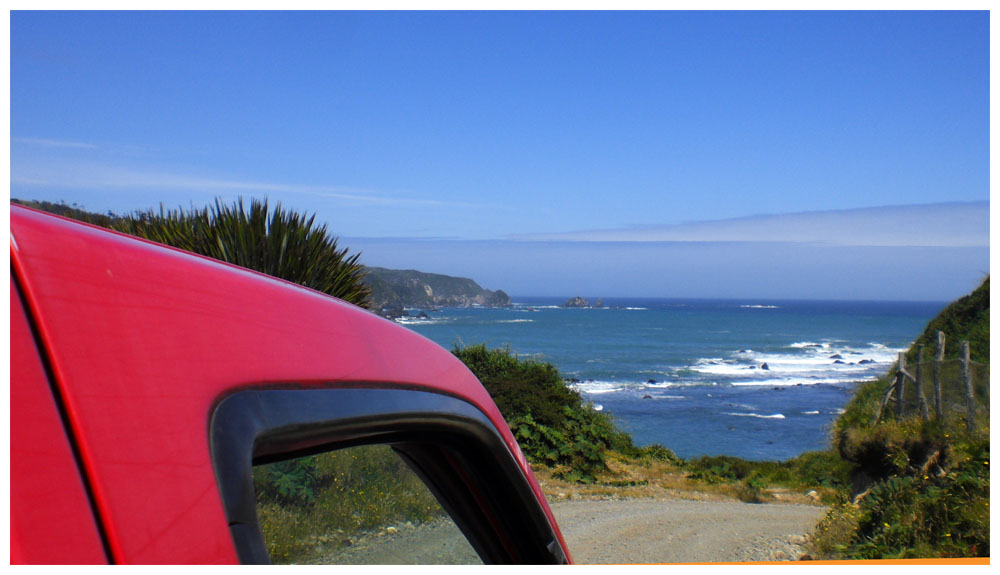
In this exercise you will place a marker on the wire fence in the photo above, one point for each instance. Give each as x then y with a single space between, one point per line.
939 388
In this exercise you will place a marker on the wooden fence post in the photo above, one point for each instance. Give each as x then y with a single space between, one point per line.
900 384
970 400
938 358
921 400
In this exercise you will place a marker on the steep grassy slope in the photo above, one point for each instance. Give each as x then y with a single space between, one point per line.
920 487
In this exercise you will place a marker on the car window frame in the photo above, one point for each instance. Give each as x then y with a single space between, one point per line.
450 444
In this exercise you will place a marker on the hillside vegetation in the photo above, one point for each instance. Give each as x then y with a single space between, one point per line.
551 422
899 487
920 486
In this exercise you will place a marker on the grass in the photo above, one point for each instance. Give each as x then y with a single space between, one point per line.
311 507
916 512
920 488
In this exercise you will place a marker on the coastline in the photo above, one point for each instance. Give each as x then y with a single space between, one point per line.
688 374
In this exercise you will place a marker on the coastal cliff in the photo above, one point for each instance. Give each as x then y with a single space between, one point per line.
393 290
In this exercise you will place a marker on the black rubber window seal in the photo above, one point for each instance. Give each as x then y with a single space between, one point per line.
450 444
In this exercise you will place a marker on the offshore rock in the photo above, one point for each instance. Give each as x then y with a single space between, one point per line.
576 302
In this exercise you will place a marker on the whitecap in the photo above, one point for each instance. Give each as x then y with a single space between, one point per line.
759 306
810 412
659 385
757 415
515 321
597 387
418 321
808 344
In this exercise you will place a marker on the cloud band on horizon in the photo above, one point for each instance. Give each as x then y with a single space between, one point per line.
955 224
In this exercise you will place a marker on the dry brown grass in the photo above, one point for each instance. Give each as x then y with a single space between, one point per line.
649 480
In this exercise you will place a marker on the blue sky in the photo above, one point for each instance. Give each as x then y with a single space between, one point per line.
503 146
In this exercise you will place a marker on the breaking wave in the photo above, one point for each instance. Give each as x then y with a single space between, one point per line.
757 415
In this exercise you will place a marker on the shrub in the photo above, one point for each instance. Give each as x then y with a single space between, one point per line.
927 515
819 469
277 242
753 490
550 421
289 483
835 532
315 505
522 387
719 468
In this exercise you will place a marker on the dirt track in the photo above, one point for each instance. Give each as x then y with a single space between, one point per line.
682 531
625 531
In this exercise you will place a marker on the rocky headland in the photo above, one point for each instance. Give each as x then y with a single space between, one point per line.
395 290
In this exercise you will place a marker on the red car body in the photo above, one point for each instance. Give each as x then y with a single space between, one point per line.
144 379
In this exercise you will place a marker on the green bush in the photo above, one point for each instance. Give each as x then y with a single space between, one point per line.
277 242
943 515
753 490
550 421
817 469
521 387
719 468
289 483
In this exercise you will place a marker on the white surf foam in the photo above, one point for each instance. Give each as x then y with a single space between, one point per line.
597 387
802 363
420 320
757 415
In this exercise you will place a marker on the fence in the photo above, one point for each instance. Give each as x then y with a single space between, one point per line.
958 387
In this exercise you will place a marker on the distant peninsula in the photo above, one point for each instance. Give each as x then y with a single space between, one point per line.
395 290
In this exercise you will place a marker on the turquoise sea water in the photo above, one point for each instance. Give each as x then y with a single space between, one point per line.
756 379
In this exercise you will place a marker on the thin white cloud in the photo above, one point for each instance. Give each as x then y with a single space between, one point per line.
48 143
948 225
95 176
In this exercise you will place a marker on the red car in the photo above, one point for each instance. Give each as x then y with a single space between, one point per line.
147 381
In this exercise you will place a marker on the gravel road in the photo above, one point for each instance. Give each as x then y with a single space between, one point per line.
683 531
623 531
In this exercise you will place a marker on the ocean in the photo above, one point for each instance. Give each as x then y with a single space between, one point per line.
761 380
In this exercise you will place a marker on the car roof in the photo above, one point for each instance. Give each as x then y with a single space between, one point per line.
144 340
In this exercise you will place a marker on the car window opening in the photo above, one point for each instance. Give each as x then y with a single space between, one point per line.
358 505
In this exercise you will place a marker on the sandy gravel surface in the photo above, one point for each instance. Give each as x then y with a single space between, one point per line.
683 531
623 531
